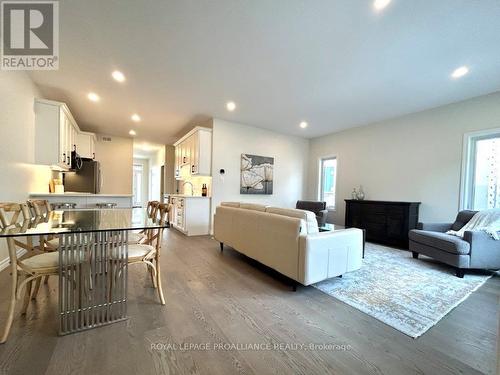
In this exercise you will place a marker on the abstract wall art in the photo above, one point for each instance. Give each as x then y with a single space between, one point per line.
256 174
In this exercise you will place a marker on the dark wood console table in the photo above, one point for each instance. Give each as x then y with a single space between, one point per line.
385 222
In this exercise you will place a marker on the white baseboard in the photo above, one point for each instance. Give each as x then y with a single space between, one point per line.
5 262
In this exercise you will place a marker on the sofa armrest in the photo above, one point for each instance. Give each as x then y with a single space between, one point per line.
484 250
328 254
435 227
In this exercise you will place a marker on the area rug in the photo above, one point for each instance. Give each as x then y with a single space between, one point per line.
410 295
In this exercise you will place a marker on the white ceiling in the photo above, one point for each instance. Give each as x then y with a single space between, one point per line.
147 150
335 64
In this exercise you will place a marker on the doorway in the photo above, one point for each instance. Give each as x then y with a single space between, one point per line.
140 182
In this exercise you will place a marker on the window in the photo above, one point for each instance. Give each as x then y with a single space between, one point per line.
328 181
481 171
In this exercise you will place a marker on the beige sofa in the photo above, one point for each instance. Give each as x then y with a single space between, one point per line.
288 240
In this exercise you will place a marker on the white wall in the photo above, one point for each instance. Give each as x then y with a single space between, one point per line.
17 151
412 158
230 140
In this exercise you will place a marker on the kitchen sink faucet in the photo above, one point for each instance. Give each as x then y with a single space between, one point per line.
192 187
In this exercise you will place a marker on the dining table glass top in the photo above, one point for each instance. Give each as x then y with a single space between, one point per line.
83 221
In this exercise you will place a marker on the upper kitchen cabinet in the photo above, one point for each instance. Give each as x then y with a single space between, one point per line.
85 146
193 153
57 135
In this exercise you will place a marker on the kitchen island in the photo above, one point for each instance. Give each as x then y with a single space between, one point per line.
191 214
85 200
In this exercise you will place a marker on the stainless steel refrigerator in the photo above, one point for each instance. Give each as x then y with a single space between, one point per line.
87 179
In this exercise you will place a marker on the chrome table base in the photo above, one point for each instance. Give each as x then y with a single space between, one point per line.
92 280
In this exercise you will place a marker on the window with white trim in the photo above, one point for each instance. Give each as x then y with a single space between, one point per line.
481 172
328 181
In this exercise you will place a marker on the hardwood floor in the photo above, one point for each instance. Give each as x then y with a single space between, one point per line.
224 298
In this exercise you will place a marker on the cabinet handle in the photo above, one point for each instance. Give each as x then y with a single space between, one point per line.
74 148
69 160
192 169
93 156
64 157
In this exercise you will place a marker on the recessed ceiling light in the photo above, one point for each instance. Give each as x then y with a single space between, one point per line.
460 72
132 133
118 76
380 4
93 97
135 117
303 124
231 106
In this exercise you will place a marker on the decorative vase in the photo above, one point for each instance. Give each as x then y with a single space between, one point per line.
354 194
361 193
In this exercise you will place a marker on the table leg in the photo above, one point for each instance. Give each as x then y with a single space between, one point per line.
364 242
92 279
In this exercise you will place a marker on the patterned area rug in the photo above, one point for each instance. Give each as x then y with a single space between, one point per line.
410 295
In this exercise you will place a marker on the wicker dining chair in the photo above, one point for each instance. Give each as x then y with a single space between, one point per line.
148 253
40 209
31 268
141 237
25 271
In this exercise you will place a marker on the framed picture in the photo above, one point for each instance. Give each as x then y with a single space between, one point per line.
256 174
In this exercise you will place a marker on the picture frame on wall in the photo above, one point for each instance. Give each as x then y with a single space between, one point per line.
257 174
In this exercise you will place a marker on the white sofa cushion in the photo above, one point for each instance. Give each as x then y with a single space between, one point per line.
253 206
309 225
230 204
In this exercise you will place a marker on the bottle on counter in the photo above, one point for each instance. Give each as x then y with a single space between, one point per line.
204 190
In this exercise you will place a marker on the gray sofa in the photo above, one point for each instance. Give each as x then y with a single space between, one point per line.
477 250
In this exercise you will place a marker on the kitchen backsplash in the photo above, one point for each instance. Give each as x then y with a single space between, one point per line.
197 182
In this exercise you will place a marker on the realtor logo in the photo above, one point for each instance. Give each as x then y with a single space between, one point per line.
30 35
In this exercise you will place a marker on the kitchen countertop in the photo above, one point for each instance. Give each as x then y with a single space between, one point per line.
69 194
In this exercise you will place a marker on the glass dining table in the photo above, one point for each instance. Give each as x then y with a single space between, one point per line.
93 261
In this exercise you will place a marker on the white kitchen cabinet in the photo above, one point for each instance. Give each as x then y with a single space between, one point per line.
201 164
57 134
194 151
177 171
191 214
85 145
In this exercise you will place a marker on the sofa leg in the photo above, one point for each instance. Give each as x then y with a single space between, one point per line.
414 254
460 272
221 247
